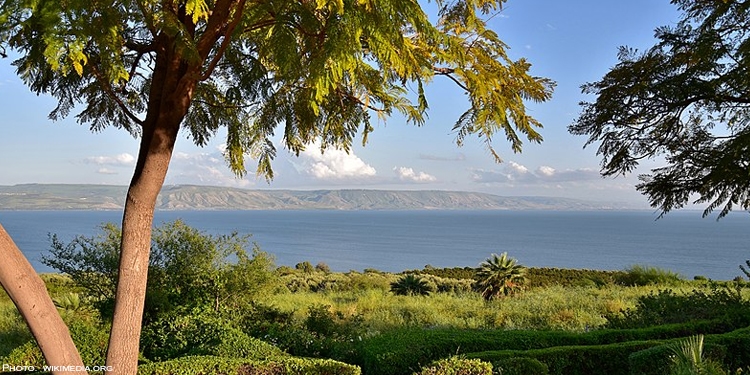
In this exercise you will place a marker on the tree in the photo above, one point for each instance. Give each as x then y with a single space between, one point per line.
410 285
314 70
685 99
499 276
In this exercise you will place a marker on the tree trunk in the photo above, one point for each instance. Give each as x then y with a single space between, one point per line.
29 294
153 162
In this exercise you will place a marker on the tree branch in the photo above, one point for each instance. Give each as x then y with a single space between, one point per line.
111 93
448 72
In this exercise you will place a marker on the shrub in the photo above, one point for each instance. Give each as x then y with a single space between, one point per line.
187 268
520 366
457 366
91 341
201 331
666 306
410 285
638 275
611 359
209 365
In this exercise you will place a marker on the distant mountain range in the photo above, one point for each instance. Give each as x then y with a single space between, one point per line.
189 197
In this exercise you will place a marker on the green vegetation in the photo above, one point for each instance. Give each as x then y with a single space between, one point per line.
410 285
500 276
213 307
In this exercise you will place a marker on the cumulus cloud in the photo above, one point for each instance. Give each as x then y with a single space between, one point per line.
123 159
335 164
408 174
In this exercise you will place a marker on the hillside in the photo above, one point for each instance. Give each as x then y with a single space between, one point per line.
107 197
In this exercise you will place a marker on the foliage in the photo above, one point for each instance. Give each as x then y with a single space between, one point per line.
544 277
688 359
201 331
520 366
91 262
90 339
666 306
187 268
317 69
209 365
684 99
410 285
500 276
608 359
638 275
401 351
450 273
457 366
536 276
744 270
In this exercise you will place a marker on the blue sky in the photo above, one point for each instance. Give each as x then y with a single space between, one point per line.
570 42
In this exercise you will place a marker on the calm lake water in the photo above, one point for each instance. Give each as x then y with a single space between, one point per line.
399 240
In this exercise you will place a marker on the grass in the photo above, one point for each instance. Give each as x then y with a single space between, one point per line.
555 307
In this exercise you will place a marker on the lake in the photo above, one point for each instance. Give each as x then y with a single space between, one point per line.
398 240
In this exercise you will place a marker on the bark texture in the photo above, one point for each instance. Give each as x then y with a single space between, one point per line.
28 292
169 99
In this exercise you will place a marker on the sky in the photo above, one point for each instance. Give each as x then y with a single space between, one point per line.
571 42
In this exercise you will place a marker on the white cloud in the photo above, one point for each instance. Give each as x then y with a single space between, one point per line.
408 174
517 174
334 164
546 171
518 168
106 171
203 169
457 157
123 159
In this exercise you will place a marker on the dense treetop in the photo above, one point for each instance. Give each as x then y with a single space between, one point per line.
313 70
686 99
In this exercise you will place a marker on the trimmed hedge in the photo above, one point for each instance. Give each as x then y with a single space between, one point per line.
736 346
520 366
403 351
208 365
611 359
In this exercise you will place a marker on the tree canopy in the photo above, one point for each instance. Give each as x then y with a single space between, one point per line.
686 100
314 70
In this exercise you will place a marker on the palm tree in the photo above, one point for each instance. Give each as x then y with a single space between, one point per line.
499 276
410 285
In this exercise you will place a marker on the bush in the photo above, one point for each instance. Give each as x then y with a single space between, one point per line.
201 332
520 366
208 365
667 307
609 359
457 366
658 360
403 351
186 268
645 275
91 341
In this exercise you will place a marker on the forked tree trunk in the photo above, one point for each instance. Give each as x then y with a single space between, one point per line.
29 294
